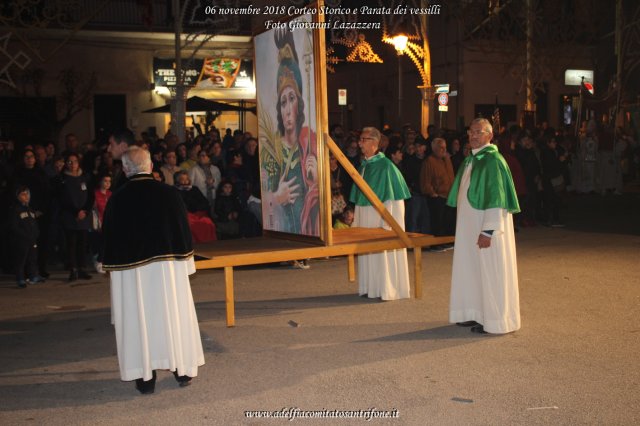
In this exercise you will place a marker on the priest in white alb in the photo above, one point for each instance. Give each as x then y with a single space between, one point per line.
382 275
484 282
147 248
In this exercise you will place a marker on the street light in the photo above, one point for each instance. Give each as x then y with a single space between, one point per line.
399 41
400 38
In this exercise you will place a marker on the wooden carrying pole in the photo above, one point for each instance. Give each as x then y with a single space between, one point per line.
367 191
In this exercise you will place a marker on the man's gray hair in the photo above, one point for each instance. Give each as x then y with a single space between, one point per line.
373 132
136 160
436 141
486 124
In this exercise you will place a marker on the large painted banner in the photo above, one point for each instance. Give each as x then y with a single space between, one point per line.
286 73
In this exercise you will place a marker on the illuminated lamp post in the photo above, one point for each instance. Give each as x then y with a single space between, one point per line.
401 39
400 43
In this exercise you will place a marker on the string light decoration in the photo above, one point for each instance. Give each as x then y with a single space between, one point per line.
358 49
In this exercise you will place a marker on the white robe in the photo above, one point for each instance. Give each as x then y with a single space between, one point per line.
155 320
484 282
385 274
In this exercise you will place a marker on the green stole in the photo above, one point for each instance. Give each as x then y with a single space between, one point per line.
491 184
383 177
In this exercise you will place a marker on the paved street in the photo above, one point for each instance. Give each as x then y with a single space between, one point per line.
575 360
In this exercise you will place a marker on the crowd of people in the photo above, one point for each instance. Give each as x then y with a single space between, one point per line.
58 197
546 165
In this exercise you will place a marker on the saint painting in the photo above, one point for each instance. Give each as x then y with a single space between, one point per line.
287 123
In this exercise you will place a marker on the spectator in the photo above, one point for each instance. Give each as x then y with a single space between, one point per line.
506 146
170 166
227 141
552 157
217 157
206 177
71 144
192 157
251 161
345 220
352 151
436 178
31 175
531 169
101 195
198 209
119 143
417 214
456 154
181 153
157 157
585 179
236 173
41 156
76 201
24 230
227 209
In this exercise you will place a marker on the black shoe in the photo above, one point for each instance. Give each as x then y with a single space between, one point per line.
466 324
45 274
73 276
83 275
478 329
22 284
183 381
146 387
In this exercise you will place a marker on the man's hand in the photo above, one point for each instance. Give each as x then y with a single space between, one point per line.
81 215
286 193
484 241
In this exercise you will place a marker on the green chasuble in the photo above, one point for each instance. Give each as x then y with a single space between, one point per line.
491 184
384 178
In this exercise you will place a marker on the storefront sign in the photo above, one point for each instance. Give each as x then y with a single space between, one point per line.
219 73
574 77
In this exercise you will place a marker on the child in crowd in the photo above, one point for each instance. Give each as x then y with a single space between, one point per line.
102 195
345 220
227 208
25 234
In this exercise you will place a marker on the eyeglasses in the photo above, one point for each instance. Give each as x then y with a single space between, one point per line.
476 132
365 138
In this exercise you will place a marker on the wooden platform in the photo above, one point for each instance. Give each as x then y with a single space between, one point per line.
346 242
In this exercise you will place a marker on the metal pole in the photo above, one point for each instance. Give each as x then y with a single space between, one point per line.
529 103
426 90
178 107
400 90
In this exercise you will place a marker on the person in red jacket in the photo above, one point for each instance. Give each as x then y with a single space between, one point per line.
101 194
506 146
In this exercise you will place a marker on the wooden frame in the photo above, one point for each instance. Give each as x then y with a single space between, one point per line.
292 120
227 254
346 242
